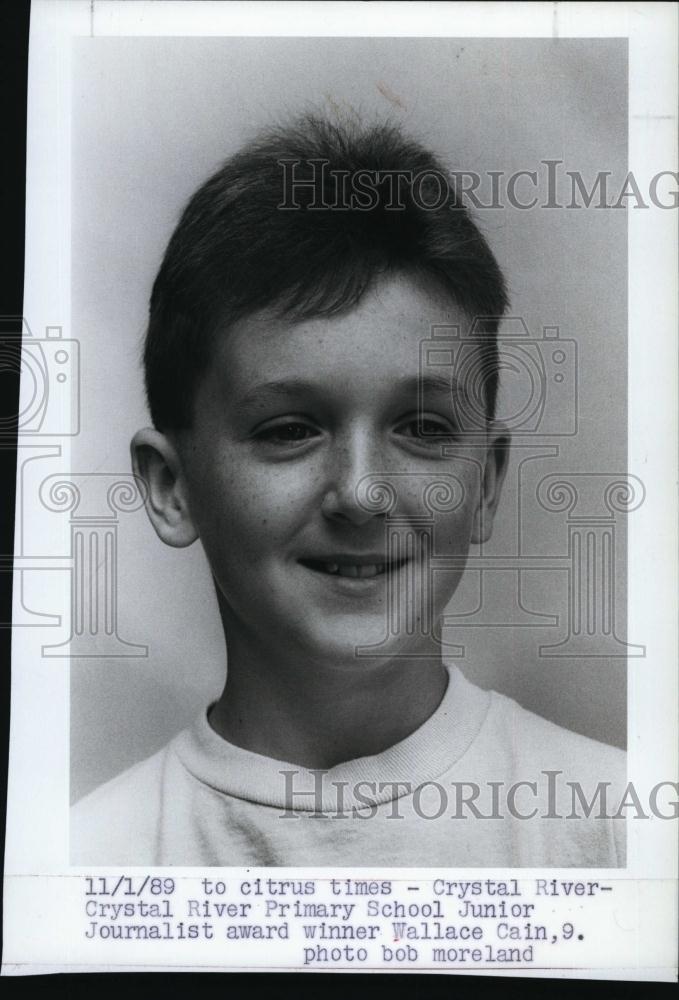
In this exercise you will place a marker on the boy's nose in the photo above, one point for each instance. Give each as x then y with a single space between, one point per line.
348 467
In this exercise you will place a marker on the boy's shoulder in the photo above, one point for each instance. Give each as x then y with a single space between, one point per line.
120 819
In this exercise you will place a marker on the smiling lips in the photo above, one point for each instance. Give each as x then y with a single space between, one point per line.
353 567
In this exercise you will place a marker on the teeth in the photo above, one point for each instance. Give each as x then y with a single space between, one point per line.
365 571
354 572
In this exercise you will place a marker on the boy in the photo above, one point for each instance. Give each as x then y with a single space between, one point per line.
294 432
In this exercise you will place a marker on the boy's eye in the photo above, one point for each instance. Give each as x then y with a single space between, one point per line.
288 432
426 430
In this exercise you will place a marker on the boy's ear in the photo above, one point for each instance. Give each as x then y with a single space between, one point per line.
495 467
156 461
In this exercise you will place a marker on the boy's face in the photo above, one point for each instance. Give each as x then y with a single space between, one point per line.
289 421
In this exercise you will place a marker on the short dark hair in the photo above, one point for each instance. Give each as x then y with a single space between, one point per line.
236 251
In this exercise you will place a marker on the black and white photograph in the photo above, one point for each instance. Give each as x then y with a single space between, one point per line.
330 327
342 538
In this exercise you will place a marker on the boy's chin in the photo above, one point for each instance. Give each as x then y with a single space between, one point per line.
365 647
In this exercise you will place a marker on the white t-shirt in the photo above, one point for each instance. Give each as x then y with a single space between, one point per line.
482 782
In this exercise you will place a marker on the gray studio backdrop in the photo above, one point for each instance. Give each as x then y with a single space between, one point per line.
152 118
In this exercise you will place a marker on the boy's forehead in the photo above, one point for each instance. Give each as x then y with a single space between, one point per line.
382 333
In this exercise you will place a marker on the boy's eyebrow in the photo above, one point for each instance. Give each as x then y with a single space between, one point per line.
281 387
433 382
420 387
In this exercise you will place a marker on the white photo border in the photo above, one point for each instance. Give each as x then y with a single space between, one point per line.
38 780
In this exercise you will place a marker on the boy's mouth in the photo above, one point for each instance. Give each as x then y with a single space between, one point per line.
355 568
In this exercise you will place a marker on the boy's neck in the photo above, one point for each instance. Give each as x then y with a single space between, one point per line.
317 716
